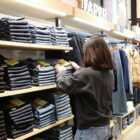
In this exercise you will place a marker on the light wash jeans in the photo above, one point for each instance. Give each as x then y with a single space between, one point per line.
94 133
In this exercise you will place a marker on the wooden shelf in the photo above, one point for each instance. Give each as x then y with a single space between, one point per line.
39 9
125 114
37 131
127 34
28 90
129 129
87 22
111 123
28 46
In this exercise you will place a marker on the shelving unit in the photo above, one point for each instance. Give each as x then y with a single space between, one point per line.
23 91
72 17
37 131
44 9
87 22
28 46
129 128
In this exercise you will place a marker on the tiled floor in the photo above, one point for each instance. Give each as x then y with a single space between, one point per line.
135 134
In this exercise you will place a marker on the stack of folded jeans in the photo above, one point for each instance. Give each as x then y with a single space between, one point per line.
17 77
44 114
62 103
15 30
65 133
32 31
117 132
58 133
4 29
43 76
124 123
60 37
19 118
69 69
2 83
43 36
3 135
130 119
137 112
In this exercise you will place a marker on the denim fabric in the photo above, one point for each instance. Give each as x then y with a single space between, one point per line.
67 111
136 92
44 110
60 37
130 82
18 22
119 96
17 110
59 103
45 115
75 54
3 135
61 99
62 105
124 62
63 108
96 133
44 124
18 27
52 116
22 115
117 132
17 70
137 112
43 84
63 116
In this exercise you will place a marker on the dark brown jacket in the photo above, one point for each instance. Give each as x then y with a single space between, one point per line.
93 93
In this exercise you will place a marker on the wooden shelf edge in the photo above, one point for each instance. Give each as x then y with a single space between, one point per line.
19 45
111 123
28 90
137 105
37 131
81 14
125 114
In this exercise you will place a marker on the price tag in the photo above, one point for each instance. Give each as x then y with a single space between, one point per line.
17 102
40 102
11 62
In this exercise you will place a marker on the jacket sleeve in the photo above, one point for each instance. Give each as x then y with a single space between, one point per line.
70 84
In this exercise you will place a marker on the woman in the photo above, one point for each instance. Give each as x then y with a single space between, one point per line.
92 86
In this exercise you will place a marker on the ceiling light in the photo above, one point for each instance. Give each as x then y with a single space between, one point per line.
26 2
92 24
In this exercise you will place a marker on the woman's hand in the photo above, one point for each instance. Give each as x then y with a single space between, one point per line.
74 65
59 68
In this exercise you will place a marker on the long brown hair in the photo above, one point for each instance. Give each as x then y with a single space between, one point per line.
97 54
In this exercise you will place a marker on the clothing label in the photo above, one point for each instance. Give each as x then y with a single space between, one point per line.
11 62
17 102
62 125
42 63
115 48
40 102
63 62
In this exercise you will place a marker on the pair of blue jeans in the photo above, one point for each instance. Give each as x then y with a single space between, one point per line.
94 133
119 96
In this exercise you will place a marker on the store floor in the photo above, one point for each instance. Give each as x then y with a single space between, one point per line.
134 134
